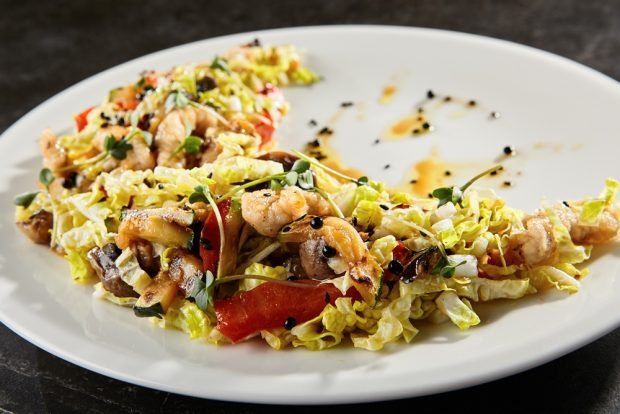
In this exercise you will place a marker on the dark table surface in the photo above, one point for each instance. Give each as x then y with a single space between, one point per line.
48 46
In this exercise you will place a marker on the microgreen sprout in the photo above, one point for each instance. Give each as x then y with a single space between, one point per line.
454 194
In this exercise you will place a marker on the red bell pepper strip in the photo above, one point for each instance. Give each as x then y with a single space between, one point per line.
401 254
265 128
210 238
80 119
270 304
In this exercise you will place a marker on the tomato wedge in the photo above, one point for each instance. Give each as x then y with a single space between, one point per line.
80 119
265 129
210 238
401 254
270 304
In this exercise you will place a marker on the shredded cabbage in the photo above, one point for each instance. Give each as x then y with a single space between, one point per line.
278 272
592 209
459 312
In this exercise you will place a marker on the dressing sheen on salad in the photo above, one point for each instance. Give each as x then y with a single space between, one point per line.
170 198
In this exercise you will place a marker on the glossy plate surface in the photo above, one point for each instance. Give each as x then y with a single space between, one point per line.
561 118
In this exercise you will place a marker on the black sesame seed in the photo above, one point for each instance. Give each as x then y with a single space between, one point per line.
105 125
416 131
327 297
494 172
495 115
354 221
420 110
413 181
447 99
430 94
376 141
316 223
316 143
70 181
326 131
566 203
104 116
386 166
508 150
312 122
320 156
447 173
121 121
384 207
471 103
328 251
346 104
507 183
395 267
430 195
426 125
289 323
267 195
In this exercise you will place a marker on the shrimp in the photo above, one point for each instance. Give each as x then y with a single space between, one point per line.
174 128
140 157
54 155
537 244
268 211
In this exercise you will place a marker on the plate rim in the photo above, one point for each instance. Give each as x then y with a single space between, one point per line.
346 397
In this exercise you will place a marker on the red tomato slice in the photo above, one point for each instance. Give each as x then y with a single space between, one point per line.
268 305
210 238
265 128
80 119
402 254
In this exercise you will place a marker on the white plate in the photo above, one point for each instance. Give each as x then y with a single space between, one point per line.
543 98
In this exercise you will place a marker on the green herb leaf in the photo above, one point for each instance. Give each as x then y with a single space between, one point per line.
291 178
117 149
306 180
176 99
191 144
199 194
444 195
444 268
25 199
362 180
300 166
202 291
275 185
455 193
46 177
220 63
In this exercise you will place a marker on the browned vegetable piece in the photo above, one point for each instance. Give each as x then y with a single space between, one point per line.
287 160
366 274
184 268
145 255
38 227
157 297
165 226
313 261
102 261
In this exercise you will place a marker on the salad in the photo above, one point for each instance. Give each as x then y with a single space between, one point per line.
171 199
